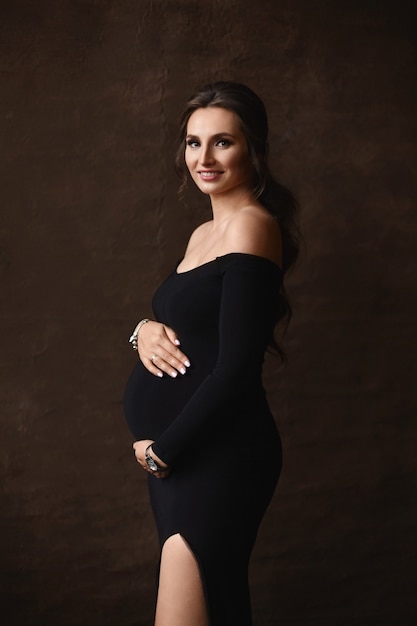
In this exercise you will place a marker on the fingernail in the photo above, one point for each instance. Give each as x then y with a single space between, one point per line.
183 370
174 374
177 343
187 363
160 374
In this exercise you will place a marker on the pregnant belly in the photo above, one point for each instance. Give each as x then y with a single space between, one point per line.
152 403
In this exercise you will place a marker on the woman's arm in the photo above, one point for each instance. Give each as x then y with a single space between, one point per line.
249 303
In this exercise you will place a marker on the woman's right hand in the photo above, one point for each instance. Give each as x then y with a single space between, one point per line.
158 350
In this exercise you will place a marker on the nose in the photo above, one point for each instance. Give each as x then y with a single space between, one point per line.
206 155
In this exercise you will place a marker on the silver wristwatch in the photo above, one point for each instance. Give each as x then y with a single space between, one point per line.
151 463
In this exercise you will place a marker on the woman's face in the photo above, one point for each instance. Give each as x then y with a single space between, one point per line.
216 152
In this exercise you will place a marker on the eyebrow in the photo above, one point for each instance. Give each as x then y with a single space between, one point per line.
216 136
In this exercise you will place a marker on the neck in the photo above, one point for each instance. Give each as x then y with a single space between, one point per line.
226 204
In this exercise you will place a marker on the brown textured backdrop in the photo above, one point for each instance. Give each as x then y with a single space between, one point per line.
90 96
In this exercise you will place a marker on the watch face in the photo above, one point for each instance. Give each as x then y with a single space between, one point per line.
150 462
152 465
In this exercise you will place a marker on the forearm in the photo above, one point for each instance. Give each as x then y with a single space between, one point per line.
246 320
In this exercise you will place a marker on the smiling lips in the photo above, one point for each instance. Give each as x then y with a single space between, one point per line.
209 174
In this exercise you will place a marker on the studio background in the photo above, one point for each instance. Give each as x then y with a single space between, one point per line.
90 96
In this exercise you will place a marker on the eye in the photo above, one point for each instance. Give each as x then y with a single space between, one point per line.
192 143
223 143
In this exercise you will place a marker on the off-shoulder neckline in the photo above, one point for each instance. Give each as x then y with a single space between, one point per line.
225 256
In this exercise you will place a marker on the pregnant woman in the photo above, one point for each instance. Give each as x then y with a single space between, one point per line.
195 401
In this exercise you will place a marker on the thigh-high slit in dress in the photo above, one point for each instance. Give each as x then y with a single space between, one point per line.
213 426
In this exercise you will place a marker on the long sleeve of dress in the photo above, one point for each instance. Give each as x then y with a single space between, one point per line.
250 296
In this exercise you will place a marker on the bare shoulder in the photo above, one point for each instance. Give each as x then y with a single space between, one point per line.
253 230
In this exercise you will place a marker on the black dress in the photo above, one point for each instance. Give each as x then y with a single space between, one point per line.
213 426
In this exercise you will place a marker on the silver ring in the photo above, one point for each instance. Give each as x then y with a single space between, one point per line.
153 357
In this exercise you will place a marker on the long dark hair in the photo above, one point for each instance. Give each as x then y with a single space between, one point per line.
276 198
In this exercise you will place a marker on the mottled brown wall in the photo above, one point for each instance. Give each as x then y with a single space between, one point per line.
90 96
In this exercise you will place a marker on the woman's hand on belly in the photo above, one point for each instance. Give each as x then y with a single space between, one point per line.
139 448
159 352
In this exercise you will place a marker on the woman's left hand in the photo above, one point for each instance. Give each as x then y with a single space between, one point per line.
139 448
